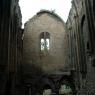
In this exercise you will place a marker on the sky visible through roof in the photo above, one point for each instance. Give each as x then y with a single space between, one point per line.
29 8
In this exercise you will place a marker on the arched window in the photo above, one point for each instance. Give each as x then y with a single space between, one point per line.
45 41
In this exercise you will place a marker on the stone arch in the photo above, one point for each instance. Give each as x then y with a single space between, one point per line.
47 89
45 83
84 46
45 34
69 82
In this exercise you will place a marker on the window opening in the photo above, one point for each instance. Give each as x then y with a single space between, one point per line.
45 41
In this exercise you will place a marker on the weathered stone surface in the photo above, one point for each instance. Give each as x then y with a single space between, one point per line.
10 45
81 29
56 57
47 68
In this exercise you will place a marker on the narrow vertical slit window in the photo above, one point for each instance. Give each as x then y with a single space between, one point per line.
47 44
42 44
45 41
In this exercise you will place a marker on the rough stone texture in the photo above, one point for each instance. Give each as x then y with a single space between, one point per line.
49 68
55 60
81 29
10 45
53 68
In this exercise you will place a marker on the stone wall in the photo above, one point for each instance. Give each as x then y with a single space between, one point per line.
10 45
81 26
55 59
49 67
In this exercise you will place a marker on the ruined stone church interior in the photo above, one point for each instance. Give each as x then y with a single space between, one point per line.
48 56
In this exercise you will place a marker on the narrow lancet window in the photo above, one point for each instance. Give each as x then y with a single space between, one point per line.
45 41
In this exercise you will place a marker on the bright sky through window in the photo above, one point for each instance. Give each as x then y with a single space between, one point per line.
45 44
30 7
42 44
